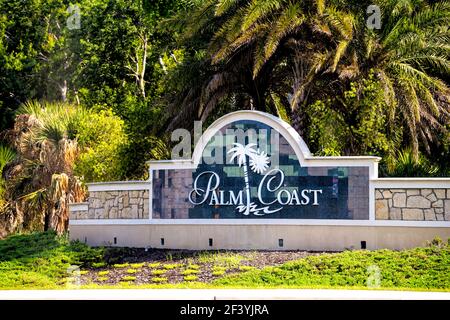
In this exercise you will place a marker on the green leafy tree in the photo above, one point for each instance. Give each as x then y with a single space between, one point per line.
358 126
100 137
34 62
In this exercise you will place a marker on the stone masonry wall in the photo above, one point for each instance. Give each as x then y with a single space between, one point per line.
115 205
78 214
412 204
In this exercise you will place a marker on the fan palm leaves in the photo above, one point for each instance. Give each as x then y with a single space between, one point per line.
41 183
6 156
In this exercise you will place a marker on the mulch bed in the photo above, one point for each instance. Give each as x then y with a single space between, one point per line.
229 261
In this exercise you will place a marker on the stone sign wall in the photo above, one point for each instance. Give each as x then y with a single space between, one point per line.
413 204
123 204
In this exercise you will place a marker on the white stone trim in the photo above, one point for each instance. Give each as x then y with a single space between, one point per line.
411 183
119 186
80 206
298 222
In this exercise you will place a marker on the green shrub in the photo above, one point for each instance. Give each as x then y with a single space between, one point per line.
246 268
193 266
102 279
128 278
100 136
121 265
41 260
170 266
154 265
424 268
224 259
98 264
158 272
219 268
218 273
159 280
190 278
137 265
131 271
103 273
189 271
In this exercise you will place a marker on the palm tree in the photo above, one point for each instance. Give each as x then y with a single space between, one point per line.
41 182
410 56
241 152
287 54
6 156
267 51
259 162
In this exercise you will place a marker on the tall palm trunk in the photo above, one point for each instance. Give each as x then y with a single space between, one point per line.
247 188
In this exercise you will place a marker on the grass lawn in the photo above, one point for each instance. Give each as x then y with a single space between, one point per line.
43 261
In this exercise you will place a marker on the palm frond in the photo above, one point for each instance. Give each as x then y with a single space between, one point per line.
258 10
289 19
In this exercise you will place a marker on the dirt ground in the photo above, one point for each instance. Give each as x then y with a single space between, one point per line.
140 266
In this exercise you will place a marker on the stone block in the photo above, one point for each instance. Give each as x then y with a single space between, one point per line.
432 197
91 213
126 200
381 210
395 214
439 210
429 215
447 206
440 193
412 214
134 200
95 203
134 211
438 204
146 207
412 192
440 217
387 194
135 194
113 213
99 213
126 213
425 192
399 200
418 202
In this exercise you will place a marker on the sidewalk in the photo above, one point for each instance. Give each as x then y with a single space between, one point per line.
219 294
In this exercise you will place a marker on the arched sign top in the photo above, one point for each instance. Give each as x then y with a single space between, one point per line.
281 127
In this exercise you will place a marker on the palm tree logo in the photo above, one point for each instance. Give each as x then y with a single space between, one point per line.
258 161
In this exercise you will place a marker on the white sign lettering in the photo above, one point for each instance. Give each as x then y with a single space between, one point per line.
271 183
